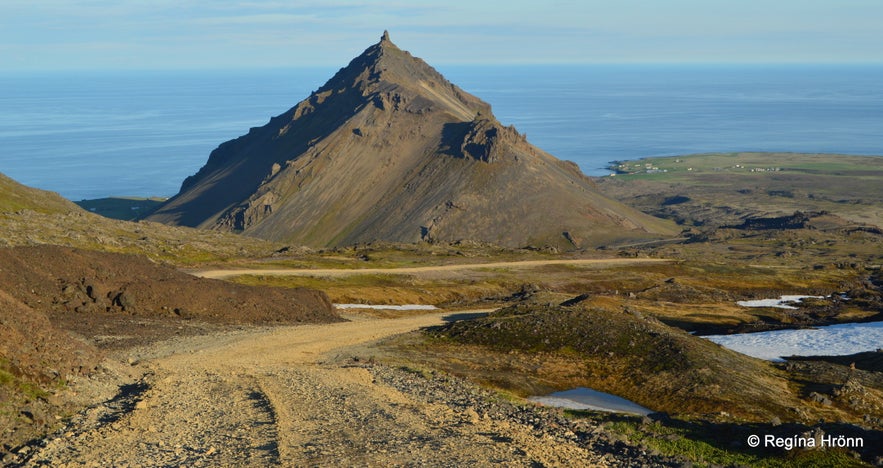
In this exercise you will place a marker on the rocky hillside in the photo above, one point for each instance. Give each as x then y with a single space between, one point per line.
388 149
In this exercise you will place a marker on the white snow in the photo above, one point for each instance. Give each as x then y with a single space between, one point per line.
848 338
386 306
582 398
780 303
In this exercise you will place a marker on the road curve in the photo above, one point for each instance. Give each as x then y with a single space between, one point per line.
287 396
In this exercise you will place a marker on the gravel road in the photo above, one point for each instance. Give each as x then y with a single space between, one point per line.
296 396
341 272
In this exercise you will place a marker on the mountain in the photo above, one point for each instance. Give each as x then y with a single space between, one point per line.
389 150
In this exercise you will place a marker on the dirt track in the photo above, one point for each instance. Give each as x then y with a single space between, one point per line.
293 396
229 273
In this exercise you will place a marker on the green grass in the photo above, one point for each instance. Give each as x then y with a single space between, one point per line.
353 281
728 161
671 442
390 288
6 378
15 197
717 193
722 447
29 390
175 245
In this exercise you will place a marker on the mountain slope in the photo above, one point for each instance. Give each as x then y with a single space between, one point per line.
30 216
15 196
388 149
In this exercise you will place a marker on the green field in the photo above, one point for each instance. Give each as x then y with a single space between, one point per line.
123 208
721 188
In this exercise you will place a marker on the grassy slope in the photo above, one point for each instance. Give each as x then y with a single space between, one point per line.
634 356
80 229
30 216
15 197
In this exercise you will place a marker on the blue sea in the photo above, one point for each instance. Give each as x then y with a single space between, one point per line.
98 134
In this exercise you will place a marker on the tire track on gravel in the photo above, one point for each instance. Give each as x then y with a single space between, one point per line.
289 396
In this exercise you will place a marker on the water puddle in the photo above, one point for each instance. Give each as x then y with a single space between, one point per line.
587 399
386 306
832 340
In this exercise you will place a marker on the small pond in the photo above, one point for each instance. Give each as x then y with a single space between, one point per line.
587 399
783 302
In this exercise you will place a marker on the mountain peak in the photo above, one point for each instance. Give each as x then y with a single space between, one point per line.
388 149
384 72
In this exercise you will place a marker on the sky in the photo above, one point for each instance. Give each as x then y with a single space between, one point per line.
207 34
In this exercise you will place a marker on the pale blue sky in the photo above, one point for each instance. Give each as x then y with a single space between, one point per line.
158 34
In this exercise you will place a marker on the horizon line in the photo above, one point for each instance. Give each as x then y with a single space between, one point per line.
24 70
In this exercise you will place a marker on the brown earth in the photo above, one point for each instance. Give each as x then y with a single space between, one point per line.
110 301
69 283
723 189
36 359
291 395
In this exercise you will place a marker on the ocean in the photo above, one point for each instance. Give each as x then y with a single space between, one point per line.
126 133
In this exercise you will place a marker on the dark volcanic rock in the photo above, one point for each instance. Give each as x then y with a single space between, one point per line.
798 220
